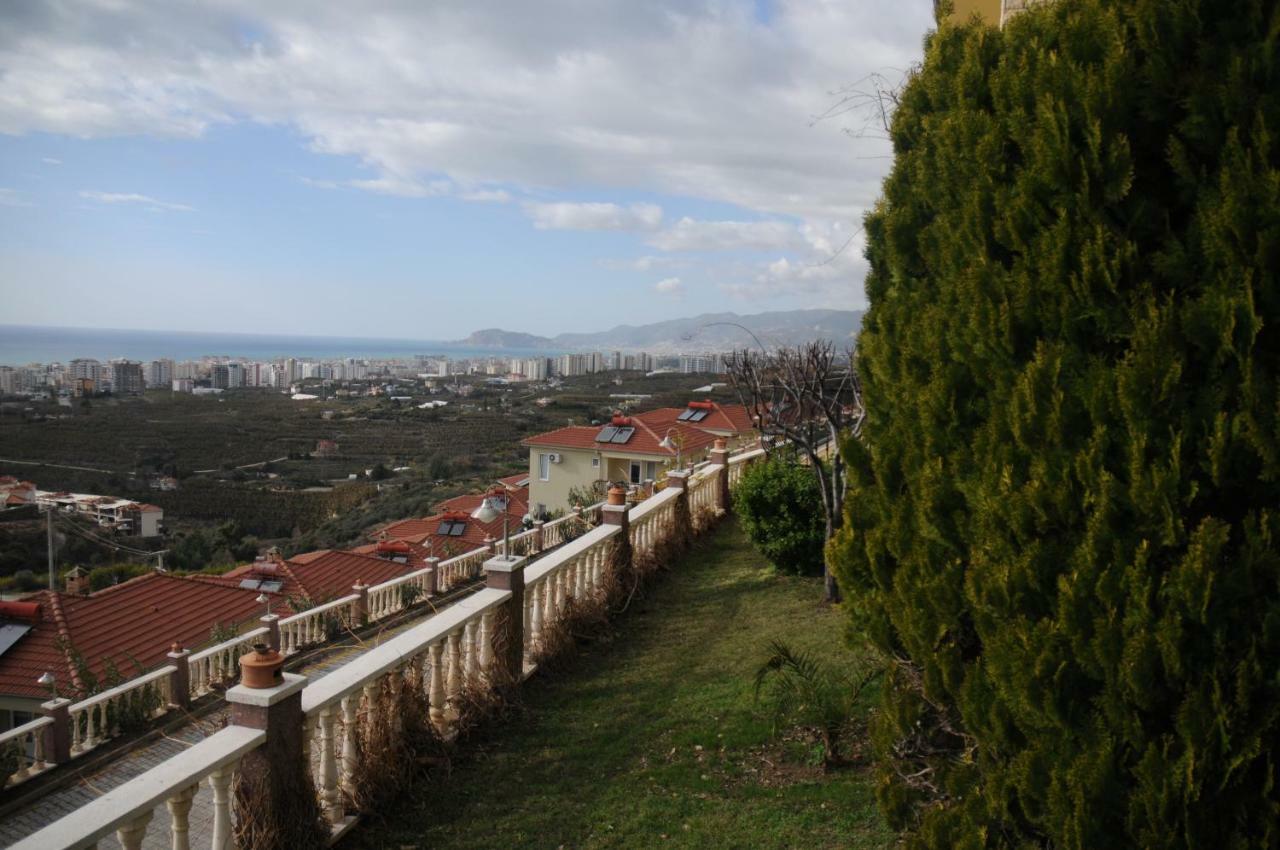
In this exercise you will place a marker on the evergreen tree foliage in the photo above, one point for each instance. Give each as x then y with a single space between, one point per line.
780 506
1063 521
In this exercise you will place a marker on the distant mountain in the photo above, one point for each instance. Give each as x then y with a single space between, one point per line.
495 338
708 332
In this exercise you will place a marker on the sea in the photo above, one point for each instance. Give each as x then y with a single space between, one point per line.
23 344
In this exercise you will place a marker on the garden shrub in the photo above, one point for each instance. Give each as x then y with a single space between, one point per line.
780 507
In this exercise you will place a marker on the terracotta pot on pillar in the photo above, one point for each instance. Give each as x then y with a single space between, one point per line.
263 668
617 496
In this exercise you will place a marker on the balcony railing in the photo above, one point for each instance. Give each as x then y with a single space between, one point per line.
494 635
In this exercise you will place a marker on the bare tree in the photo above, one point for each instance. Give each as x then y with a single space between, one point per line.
810 397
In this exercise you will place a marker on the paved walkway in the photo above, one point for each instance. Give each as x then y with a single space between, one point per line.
66 799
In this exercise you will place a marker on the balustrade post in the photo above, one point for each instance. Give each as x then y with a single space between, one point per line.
180 678
433 579
273 770
491 544
272 637
179 806
508 637
57 735
361 590
540 536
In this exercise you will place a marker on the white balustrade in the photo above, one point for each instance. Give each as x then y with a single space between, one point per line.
25 745
127 809
392 597
99 717
442 655
574 571
218 665
313 625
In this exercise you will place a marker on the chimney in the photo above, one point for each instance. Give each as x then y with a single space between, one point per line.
78 581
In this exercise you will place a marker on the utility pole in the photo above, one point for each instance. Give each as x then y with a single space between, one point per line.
48 519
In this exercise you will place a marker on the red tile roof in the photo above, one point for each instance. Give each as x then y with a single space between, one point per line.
733 418
645 441
423 531
131 625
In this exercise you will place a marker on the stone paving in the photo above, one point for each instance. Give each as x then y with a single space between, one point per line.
66 799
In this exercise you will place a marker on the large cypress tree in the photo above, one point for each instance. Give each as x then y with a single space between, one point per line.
1064 517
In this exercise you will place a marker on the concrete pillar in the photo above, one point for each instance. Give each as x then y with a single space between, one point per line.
271 769
720 455
57 736
272 637
541 536
504 573
433 580
180 678
678 479
616 512
361 590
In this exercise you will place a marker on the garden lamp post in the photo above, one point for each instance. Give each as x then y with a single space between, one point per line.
49 681
677 444
491 507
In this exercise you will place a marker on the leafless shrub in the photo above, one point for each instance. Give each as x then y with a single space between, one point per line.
279 810
395 740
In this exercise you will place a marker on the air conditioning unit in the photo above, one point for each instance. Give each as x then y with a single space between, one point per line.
554 457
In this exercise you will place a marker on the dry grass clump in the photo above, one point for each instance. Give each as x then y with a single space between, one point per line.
283 811
395 741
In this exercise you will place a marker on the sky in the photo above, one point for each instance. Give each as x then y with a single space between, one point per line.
425 169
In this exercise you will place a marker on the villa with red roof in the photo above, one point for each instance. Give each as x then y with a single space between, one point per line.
628 449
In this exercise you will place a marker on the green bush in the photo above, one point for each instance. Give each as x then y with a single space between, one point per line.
780 506
1063 519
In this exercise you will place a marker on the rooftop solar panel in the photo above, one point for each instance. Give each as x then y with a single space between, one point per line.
250 583
458 529
11 633
622 435
698 415
271 586
606 434
683 417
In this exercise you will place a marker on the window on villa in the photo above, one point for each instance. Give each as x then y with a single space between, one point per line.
544 467
651 470
595 462
635 472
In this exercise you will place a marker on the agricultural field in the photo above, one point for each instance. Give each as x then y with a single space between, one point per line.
248 468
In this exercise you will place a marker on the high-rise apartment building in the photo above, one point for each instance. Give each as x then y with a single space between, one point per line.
127 377
160 373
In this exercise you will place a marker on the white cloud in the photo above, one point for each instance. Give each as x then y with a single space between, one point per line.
669 286
12 198
690 235
134 198
48 160
701 100
593 216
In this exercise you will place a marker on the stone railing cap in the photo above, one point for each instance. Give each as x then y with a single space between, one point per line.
264 697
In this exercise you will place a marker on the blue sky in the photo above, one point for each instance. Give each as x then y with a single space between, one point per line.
427 173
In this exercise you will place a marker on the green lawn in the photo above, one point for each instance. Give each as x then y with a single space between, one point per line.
653 739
